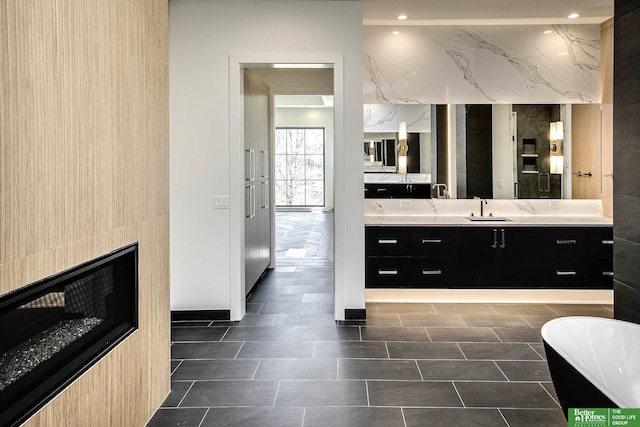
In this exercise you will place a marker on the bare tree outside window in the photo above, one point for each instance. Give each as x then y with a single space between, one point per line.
299 167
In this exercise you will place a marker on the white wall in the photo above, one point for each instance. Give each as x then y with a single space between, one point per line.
314 117
206 41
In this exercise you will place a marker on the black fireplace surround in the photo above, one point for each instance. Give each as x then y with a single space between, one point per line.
55 329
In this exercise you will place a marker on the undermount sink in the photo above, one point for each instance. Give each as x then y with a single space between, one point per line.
487 218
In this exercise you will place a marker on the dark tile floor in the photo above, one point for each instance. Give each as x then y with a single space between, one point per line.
288 363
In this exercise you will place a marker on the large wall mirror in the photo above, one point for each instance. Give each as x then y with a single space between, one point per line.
503 151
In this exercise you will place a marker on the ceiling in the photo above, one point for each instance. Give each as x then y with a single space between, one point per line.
476 12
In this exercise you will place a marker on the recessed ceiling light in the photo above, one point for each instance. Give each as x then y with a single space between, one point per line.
548 32
402 17
395 33
573 15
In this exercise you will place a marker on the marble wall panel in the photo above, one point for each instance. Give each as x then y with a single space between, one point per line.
387 118
482 64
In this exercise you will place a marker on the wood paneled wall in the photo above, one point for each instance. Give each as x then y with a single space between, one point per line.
83 171
586 151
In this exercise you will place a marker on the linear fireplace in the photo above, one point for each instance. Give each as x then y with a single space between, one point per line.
53 330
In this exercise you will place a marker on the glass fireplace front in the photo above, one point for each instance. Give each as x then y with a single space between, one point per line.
53 330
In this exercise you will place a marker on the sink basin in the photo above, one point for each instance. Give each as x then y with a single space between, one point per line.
487 218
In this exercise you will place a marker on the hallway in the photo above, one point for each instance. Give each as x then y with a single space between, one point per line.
288 363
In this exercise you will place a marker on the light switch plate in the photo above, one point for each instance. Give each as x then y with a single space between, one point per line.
220 202
554 203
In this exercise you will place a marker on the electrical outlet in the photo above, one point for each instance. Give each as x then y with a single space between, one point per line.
405 203
220 202
554 203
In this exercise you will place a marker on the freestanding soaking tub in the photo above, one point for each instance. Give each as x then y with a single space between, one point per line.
594 362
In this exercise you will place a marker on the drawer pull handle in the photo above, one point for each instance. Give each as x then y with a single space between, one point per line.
387 241
566 242
387 272
431 240
431 272
607 274
565 273
607 242
382 189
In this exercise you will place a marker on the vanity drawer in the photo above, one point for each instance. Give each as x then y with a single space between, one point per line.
431 242
430 272
387 241
387 272
600 242
600 273
564 272
564 243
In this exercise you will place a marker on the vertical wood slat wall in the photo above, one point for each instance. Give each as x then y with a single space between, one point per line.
586 151
83 171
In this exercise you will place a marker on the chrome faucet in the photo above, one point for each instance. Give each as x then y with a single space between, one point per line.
441 191
482 203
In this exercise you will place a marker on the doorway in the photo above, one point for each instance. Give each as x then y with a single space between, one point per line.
291 228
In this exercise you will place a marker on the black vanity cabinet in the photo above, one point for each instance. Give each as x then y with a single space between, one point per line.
489 257
409 257
498 257
600 257
564 263
578 256
398 190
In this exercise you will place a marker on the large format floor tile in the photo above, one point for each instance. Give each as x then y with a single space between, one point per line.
288 363
504 395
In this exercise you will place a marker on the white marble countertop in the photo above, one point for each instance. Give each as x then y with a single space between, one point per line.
396 178
439 212
514 221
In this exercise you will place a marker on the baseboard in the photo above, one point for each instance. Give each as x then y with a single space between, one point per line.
200 315
355 314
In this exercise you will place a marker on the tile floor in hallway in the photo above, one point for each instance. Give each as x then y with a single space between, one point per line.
288 363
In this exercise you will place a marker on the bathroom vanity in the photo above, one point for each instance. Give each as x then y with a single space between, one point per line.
397 186
524 244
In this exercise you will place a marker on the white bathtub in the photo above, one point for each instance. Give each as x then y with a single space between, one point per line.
604 352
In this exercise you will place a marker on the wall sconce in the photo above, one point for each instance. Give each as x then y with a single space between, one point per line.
403 148
372 152
556 164
556 135
556 131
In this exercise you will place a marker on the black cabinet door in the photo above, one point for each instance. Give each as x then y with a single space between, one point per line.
430 272
387 241
387 272
520 254
420 191
497 257
565 273
600 242
431 241
568 242
476 257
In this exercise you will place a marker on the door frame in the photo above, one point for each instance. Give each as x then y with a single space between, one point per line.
237 64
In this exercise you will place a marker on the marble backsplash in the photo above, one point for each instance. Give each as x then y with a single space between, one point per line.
464 207
517 64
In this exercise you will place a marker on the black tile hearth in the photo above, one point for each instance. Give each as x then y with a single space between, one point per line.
289 364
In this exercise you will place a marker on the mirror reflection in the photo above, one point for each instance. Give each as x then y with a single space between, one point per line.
500 151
